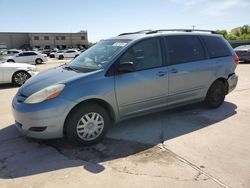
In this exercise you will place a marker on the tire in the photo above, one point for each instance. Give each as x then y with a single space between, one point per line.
39 61
11 60
215 95
81 128
20 77
61 57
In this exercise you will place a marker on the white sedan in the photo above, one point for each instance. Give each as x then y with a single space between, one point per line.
67 54
16 73
29 57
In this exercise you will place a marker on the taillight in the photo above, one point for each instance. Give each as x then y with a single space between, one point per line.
236 59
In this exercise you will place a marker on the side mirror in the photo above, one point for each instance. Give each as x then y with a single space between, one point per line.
126 67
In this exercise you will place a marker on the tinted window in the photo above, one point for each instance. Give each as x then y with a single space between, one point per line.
32 53
70 51
182 49
216 46
21 54
145 54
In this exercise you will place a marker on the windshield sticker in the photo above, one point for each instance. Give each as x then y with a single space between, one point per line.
120 44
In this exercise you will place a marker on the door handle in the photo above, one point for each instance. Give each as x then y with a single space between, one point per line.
162 73
174 71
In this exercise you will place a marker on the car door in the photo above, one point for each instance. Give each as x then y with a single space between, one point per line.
146 88
189 68
68 54
21 58
6 72
1 71
32 56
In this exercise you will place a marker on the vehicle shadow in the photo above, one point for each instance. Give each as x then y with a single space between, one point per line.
244 62
20 157
7 86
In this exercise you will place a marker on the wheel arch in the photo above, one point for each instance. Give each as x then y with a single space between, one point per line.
11 60
224 80
17 71
100 102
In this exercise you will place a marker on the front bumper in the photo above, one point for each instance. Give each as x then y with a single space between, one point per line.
32 73
43 120
232 82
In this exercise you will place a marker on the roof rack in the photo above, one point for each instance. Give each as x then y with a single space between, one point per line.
185 30
137 32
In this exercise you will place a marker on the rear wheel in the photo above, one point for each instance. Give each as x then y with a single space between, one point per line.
11 60
215 95
60 57
87 124
19 78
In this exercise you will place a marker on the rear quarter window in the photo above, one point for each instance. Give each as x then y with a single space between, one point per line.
216 47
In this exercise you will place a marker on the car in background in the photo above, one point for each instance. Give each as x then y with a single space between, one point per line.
67 54
29 57
53 52
243 52
13 51
123 77
16 73
47 52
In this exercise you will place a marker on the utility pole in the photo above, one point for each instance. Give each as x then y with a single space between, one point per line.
193 26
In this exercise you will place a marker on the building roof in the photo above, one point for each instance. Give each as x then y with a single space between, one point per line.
82 32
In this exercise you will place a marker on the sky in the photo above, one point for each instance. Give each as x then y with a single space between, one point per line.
107 18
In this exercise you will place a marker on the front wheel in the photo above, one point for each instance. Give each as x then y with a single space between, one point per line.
19 78
39 61
87 124
215 95
10 61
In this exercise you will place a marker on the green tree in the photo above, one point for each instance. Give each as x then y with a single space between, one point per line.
223 32
238 33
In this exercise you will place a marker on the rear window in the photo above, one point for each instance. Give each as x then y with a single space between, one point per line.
183 49
216 46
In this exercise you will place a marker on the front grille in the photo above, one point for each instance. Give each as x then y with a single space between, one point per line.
21 97
241 52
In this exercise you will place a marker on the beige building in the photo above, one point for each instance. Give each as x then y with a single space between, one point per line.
43 40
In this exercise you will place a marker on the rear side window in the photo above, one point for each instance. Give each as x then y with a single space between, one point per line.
216 46
183 49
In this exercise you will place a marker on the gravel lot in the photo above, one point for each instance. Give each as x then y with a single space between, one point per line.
184 147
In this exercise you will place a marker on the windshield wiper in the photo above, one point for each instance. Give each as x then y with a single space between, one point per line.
71 68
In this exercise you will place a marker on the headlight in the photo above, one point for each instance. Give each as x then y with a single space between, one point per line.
45 94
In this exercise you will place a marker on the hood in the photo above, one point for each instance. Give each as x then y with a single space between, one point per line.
50 77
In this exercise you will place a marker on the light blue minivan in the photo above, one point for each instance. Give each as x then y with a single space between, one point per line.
123 77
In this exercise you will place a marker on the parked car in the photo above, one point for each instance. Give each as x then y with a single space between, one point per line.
47 52
67 54
243 52
29 57
53 52
123 77
16 73
13 52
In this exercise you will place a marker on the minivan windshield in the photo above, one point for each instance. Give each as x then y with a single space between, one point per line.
99 55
